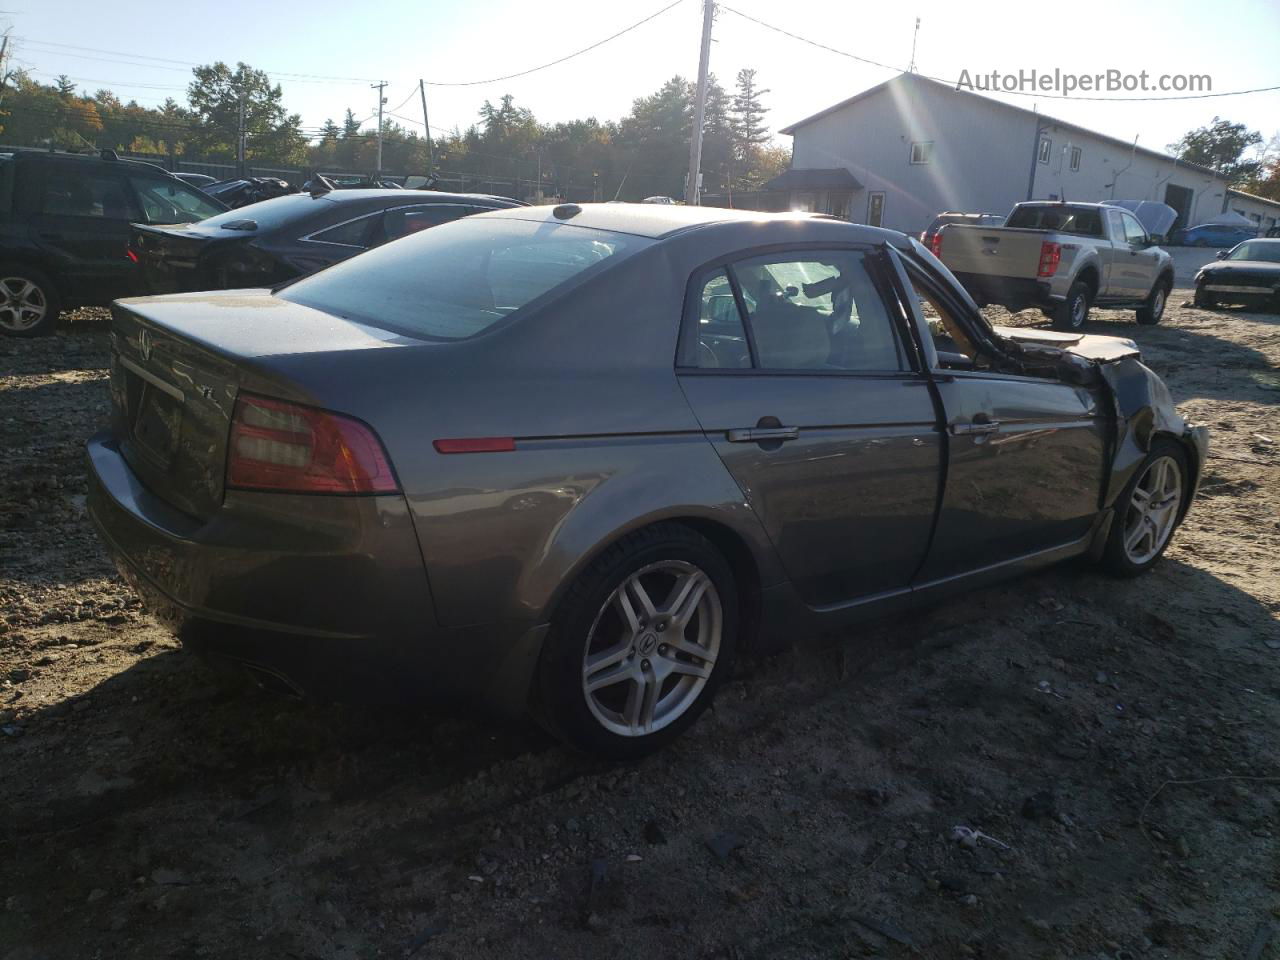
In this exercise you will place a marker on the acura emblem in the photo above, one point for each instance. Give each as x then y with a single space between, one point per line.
144 344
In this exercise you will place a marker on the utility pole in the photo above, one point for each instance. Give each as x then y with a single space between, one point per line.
381 102
426 126
240 139
691 188
914 37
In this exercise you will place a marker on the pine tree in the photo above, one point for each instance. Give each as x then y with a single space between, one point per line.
747 115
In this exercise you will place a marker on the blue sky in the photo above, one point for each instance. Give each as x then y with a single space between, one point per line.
399 41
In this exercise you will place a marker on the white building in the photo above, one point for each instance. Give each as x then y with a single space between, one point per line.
900 153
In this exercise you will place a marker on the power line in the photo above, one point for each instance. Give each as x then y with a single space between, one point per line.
952 82
553 63
187 63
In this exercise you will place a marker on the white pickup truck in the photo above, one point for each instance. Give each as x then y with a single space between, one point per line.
1063 258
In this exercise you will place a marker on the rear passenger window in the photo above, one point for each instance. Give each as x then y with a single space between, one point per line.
406 220
722 339
79 193
819 311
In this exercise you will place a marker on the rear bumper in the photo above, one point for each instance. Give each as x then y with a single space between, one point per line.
327 594
1014 293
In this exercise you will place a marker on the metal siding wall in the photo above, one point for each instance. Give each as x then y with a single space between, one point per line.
981 160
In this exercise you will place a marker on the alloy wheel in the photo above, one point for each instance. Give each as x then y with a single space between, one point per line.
22 304
652 648
1157 304
1078 310
1153 510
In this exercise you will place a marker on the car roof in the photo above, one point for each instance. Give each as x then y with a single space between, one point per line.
654 220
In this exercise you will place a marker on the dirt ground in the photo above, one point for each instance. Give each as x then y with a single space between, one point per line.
1117 745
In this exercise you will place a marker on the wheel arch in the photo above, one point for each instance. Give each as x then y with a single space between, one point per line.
1089 276
742 549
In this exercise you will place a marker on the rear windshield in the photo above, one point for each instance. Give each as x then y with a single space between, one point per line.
1083 221
269 214
459 279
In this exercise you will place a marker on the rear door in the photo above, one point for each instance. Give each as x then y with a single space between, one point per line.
1025 456
81 223
801 377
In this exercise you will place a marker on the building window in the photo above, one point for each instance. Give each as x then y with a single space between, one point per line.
1045 146
922 151
1075 158
875 209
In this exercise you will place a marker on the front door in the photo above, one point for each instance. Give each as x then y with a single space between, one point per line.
81 222
1144 258
801 379
1025 456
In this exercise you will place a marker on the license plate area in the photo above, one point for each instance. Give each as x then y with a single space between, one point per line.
157 422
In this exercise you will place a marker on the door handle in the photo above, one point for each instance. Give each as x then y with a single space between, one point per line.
974 429
763 434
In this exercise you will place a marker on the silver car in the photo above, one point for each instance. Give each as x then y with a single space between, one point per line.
575 460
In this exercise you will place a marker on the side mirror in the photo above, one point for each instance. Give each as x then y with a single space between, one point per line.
1222 254
791 292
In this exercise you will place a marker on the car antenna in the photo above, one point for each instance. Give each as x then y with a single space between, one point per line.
320 185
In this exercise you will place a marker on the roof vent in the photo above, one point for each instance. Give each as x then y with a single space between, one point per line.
566 210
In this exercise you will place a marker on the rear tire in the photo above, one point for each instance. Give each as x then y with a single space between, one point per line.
1150 313
639 644
1148 511
1073 313
29 302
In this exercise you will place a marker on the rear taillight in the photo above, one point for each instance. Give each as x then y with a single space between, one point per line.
287 447
935 244
1050 257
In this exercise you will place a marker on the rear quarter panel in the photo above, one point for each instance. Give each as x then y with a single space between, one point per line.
606 441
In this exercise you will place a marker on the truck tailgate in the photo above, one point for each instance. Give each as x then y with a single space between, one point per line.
992 251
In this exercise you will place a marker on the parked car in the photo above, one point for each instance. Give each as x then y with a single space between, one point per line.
1248 274
197 180
64 231
242 191
575 459
1063 258
1214 235
277 240
949 217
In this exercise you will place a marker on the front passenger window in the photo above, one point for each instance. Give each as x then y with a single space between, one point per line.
818 311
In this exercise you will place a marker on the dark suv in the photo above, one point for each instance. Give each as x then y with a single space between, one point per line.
64 230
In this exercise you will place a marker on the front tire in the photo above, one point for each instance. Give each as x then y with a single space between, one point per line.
1073 312
640 644
29 302
1150 313
1148 511
1204 300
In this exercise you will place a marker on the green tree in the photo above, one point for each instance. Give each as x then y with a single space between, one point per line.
66 89
215 97
1221 146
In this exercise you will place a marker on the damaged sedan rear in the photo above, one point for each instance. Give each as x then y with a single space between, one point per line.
572 461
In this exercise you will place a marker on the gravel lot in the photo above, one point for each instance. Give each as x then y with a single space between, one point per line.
1117 744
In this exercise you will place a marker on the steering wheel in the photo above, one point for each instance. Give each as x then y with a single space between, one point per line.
707 358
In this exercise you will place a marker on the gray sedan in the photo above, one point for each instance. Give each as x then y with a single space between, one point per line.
574 460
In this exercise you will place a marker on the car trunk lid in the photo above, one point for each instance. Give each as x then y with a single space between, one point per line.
178 363
170 256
